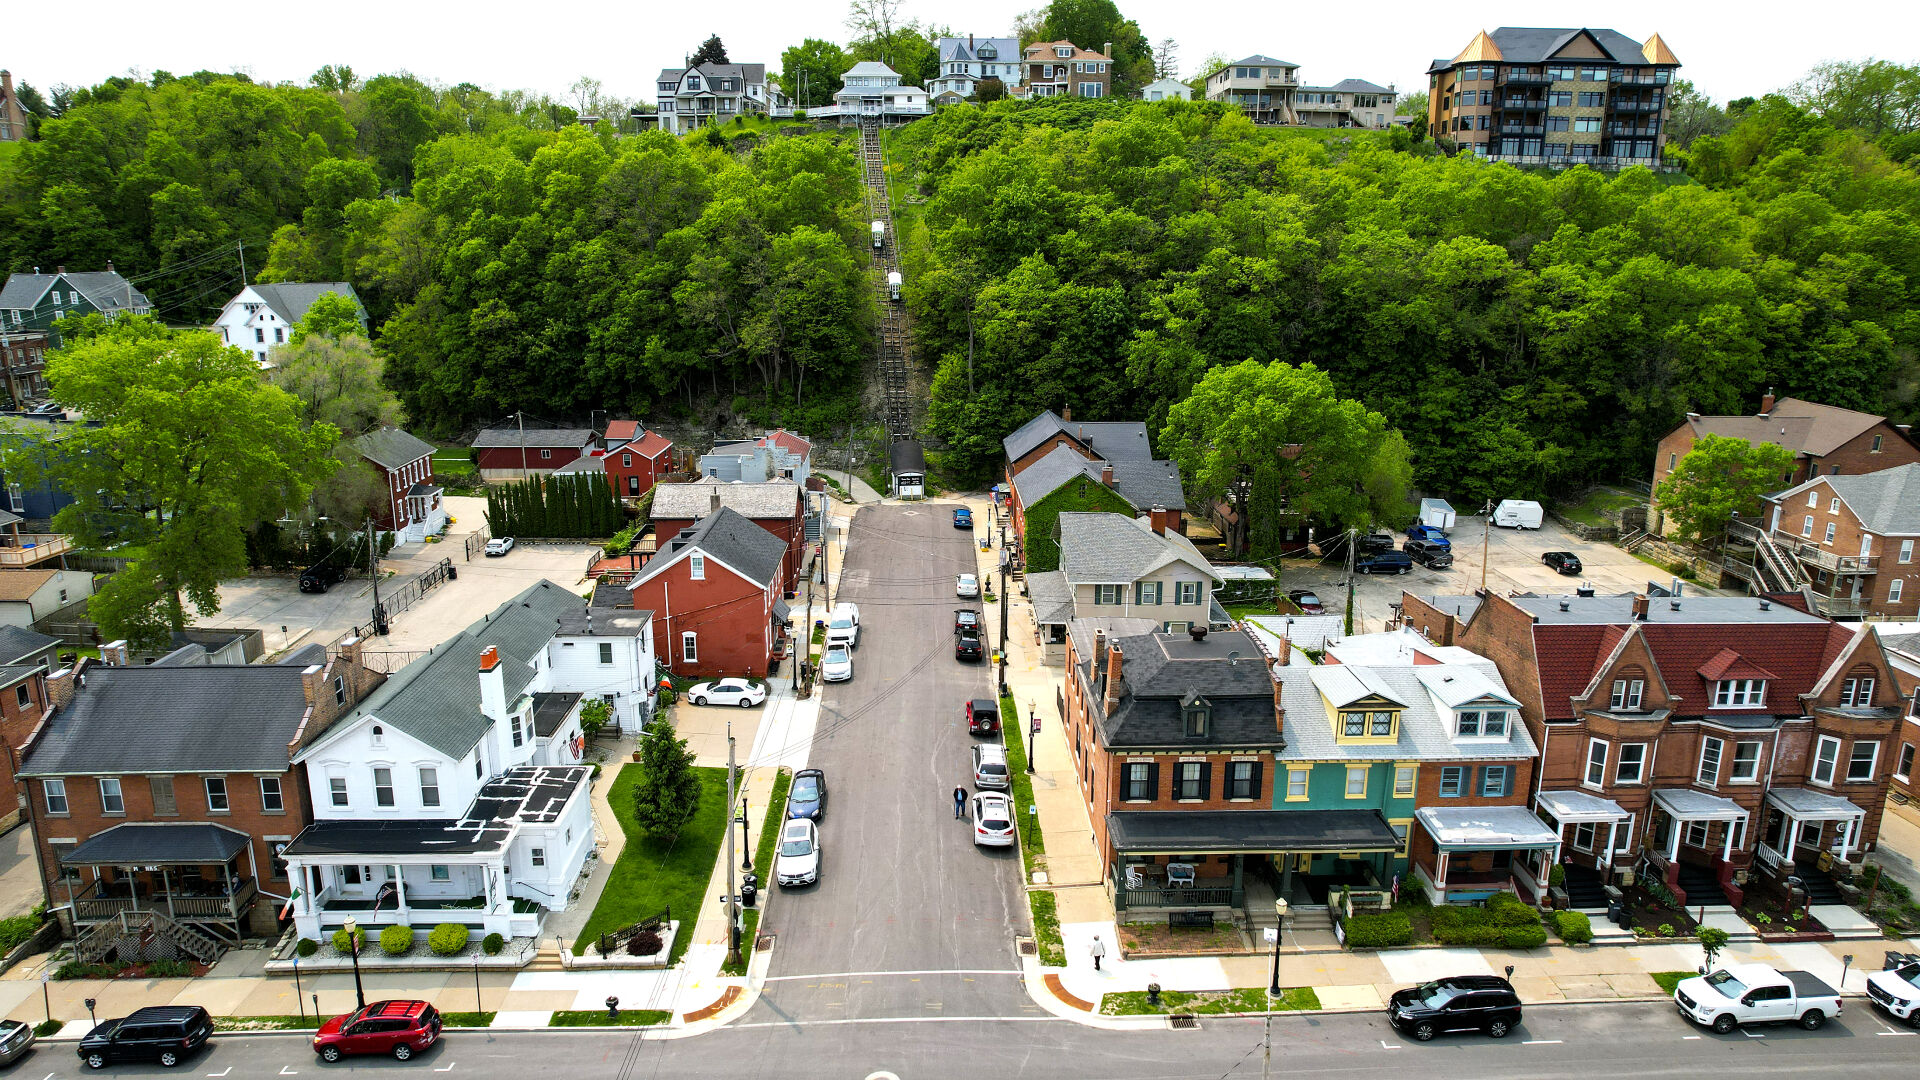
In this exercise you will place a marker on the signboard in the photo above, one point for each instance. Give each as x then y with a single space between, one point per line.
1339 931
1036 723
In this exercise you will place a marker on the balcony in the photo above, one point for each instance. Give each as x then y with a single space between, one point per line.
1841 607
1632 131
1635 106
190 908
1814 555
1522 129
31 549
1523 103
1657 79
1531 78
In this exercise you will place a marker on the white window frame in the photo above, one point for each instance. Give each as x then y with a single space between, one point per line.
216 789
52 792
1857 692
1833 505
337 795
1404 777
1638 758
696 566
1734 775
429 783
1584 835
110 793
606 652
273 800
1712 752
1826 756
1740 693
1896 587
1467 724
1873 760
1906 551
1597 763
1903 765
1832 528
689 647
1491 717
392 798
1693 829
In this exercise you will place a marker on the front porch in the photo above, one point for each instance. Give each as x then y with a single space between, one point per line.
1806 836
409 893
1594 832
1713 830
1237 861
1478 851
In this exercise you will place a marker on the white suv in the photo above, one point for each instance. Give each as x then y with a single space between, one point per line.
843 626
990 767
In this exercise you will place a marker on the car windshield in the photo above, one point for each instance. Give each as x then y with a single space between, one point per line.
806 789
1910 974
992 768
1726 984
802 846
1434 995
842 623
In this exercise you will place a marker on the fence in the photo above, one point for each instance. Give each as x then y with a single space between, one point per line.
609 942
410 593
476 543
388 661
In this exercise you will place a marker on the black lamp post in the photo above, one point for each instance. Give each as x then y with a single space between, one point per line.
746 852
1280 908
1033 728
353 943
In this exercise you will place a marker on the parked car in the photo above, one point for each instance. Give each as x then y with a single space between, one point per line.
317 579
966 618
1308 602
990 767
1384 562
843 625
1430 533
1461 1003
499 545
983 716
728 692
962 518
400 1028
16 1039
967 645
966 585
1756 994
799 860
1374 542
992 820
807 798
1564 561
1897 989
836 664
163 1033
1429 554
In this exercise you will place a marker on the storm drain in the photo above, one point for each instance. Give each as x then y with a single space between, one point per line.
1182 1020
1028 948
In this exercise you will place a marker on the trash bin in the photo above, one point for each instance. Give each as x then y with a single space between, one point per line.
1617 913
749 890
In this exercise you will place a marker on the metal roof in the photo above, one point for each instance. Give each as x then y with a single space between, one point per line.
493 438
1474 828
1686 804
144 843
1570 807
1803 803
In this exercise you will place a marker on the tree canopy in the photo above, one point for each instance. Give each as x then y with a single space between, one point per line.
1718 478
711 51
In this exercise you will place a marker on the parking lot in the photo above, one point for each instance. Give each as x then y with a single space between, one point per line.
1512 561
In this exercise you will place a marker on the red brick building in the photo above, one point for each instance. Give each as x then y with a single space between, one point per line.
23 699
415 507
777 506
1049 451
1848 539
636 459
715 592
1719 741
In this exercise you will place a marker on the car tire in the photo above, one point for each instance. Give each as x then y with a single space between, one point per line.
1498 1029
329 1054
1724 1024
402 1052
745 703
1406 570
1814 1020
699 701
169 1058
1423 1032
96 1061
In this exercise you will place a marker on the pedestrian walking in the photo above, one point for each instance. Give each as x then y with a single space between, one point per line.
959 803
1097 950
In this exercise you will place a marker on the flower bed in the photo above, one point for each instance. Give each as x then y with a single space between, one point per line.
1773 920
1157 939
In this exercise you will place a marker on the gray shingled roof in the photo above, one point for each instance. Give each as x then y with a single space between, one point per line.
136 843
1357 86
291 299
1110 549
13 673
1160 671
436 699
1886 502
681 502
569 437
391 448
1051 596
1145 485
1124 440
1425 734
17 643
217 718
1536 44
104 289
731 538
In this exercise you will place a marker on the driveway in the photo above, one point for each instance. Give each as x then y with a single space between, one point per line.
909 918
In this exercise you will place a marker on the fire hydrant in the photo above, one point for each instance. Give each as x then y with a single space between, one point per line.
613 1007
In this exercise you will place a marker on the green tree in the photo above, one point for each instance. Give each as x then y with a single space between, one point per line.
338 382
711 51
335 79
1209 64
1874 96
192 447
331 314
989 90
668 793
594 714
810 72
1718 478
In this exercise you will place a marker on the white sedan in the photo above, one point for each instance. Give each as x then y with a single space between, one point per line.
836 664
728 692
500 545
992 820
966 585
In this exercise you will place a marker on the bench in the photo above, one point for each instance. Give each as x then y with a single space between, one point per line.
1189 920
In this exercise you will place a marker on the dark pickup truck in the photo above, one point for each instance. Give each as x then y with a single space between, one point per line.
966 643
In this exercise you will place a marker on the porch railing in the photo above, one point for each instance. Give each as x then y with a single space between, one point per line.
33 548
1197 896
226 908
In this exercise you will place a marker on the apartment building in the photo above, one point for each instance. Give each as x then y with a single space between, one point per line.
1262 86
1847 540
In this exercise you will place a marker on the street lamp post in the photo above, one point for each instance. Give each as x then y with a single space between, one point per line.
353 943
746 849
1273 988
1033 728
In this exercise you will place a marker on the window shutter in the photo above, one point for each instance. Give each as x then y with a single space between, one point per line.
1258 768
1206 779
1153 781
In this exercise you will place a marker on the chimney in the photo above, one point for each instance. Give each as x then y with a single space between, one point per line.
60 689
313 680
1099 650
713 502
1766 402
1106 473
1693 416
350 650
60 268
109 266
1640 607
1197 632
969 42
1113 677
493 685
114 653
1066 413
6 83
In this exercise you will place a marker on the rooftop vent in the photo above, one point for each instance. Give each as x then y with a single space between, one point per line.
1674 604
1197 632
1765 604
1566 605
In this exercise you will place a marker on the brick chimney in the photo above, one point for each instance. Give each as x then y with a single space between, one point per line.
1106 473
1099 650
313 681
713 502
61 686
1066 413
350 650
493 684
1113 677
60 268
1640 607
114 653
1766 402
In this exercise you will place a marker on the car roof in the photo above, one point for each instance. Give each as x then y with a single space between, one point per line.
797 828
155 1014
810 772
1476 982
981 704
398 1007
989 751
991 797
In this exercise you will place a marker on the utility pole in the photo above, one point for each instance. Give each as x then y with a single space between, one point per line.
1486 538
241 247
373 568
733 897
1353 537
1005 603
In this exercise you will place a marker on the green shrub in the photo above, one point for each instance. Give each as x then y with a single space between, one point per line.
492 944
1573 927
1667 930
1505 922
1387 929
342 945
396 940
168 969
447 939
306 948
1557 876
47 1027
18 929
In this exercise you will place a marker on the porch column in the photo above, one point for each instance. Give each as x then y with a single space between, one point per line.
1849 832
1286 875
1727 850
1613 844
1792 838
1440 873
400 890
167 884
1239 864
1673 848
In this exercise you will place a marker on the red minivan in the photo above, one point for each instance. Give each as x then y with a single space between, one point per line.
400 1028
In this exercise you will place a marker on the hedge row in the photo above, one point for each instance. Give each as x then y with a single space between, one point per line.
1505 922
1573 927
1382 931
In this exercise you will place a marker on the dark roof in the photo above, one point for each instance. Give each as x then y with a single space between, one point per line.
17 643
1886 502
1124 440
1145 485
213 718
391 448
510 437
1159 671
291 299
906 456
1536 44
1226 831
13 673
104 289
732 539
530 794
550 711
141 843
1354 86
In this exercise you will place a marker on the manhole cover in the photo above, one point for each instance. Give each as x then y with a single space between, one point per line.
1182 1020
1028 948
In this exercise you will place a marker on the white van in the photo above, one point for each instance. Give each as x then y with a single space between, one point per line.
1518 514
843 626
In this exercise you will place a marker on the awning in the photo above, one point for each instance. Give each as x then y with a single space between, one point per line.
1221 832
1686 804
1798 802
1578 807
781 612
1486 828
158 845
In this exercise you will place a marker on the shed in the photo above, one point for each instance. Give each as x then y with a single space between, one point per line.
907 469
1436 513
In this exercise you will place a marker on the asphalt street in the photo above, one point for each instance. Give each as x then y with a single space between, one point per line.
910 919
1569 1042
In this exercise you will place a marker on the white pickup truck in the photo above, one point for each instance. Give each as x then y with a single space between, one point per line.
1756 994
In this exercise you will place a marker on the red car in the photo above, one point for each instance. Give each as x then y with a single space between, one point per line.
400 1028
983 716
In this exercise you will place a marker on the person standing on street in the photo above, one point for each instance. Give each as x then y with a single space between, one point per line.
959 803
1097 950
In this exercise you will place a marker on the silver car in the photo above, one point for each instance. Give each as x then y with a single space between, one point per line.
836 664
16 1039
799 862
966 585
990 767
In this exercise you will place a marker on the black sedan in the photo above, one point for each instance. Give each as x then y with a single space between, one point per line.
807 798
1564 561
1462 1003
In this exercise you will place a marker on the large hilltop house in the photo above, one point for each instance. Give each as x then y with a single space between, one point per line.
260 318
967 62
692 98
36 301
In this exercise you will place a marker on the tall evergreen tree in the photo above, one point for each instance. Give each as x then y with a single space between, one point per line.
711 51
668 793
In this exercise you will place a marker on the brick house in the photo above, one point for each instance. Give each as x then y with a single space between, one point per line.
23 365
416 506
1118 455
1826 441
1717 742
165 792
636 459
1848 539
1901 642
23 700
715 592
1063 69
513 454
777 506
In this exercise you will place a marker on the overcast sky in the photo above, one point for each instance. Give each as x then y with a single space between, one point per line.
1727 49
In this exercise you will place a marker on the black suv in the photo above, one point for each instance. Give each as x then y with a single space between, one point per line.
317 578
162 1033
1564 561
966 644
1463 1003
1375 542
1429 554
1384 562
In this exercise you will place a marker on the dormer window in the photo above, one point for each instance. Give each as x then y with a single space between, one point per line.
1063 52
1196 714
1739 693
693 82
1857 692
1626 695
1355 724
1482 722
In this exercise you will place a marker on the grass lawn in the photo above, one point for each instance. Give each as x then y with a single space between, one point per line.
452 463
1033 845
763 866
655 873
467 1019
1251 999
599 1018
1592 509
1670 979
1241 611
1046 929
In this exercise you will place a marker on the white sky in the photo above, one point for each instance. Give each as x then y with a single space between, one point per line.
1728 49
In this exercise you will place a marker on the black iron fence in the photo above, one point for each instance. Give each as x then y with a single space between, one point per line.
612 941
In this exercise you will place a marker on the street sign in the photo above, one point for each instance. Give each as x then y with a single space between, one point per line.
1036 725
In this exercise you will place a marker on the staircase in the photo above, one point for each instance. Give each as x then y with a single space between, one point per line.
146 935
891 331
547 959
1586 889
1818 883
1701 887
1299 919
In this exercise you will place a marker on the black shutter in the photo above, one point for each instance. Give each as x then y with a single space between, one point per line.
1206 779
1258 768
1153 781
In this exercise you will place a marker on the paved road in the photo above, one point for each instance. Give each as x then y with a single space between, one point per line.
909 919
1556 1043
